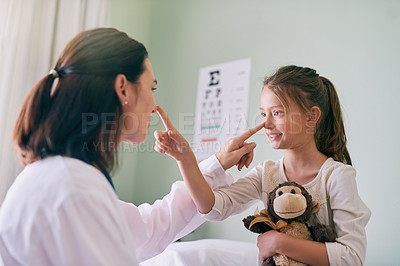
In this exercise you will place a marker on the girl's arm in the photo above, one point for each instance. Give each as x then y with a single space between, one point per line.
305 251
237 151
350 217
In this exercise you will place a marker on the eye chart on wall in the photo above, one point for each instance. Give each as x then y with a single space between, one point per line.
222 105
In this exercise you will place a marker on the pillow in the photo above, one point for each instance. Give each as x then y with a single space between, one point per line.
218 252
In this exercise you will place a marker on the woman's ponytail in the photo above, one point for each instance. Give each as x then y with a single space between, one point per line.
34 111
330 133
81 118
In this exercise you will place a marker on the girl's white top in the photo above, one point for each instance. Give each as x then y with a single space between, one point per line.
62 211
334 187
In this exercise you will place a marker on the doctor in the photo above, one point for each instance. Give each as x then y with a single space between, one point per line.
62 208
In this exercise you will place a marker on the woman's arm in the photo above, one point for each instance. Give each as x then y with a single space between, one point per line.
200 191
173 144
155 226
170 142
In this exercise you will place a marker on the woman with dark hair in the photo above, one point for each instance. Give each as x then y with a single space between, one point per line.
62 209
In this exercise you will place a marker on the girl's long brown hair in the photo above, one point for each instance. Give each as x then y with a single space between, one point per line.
306 88
79 118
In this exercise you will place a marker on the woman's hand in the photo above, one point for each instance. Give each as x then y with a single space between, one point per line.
238 152
170 141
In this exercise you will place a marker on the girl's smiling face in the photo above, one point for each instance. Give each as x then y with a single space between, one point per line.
285 127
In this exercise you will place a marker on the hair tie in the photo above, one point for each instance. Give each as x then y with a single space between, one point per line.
54 73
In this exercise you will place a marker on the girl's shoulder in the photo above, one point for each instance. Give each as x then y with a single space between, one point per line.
267 164
334 169
272 174
271 169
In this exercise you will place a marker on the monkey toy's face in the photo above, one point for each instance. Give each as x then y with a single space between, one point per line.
289 202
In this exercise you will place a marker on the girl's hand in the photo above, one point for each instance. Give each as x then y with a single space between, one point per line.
238 152
267 243
170 141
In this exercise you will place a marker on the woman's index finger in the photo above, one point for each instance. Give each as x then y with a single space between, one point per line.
251 132
167 123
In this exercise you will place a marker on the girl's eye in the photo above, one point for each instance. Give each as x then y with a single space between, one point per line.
153 89
263 114
276 113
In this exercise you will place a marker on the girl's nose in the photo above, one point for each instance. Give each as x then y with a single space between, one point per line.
268 122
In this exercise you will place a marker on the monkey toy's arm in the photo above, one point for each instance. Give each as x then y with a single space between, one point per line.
322 233
259 227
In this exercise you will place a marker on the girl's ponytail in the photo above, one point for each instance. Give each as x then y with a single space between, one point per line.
35 109
305 87
330 134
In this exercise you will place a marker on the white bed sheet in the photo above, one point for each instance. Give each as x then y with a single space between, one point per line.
207 252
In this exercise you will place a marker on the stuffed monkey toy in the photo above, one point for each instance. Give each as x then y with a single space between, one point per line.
289 207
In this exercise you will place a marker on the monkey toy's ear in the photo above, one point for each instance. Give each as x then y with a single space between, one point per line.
259 228
315 206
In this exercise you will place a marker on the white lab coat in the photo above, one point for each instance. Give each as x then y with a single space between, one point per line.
62 211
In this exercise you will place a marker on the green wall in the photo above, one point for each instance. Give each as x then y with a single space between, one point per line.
353 43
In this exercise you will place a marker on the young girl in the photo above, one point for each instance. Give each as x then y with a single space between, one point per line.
301 115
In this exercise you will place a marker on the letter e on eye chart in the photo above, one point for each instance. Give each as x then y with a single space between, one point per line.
222 105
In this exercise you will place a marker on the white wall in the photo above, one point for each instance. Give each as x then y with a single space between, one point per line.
353 43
